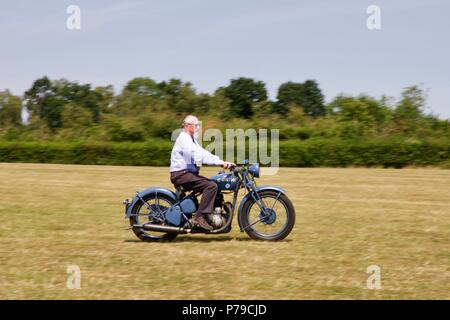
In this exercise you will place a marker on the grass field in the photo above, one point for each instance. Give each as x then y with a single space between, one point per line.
53 216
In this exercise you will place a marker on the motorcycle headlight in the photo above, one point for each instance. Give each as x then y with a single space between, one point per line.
254 170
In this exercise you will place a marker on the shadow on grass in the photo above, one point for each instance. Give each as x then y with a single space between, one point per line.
203 239
195 239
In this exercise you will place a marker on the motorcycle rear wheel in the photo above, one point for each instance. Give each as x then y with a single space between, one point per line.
140 214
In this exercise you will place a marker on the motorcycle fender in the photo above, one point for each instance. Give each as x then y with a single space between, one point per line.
248 197
146 192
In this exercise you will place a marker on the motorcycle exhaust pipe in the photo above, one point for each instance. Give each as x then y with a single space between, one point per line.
160 228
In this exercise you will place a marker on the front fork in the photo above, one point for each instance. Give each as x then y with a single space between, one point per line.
251 187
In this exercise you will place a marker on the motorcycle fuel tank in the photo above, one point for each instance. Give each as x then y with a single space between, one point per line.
226 181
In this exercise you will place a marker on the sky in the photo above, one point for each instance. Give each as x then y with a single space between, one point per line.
210 42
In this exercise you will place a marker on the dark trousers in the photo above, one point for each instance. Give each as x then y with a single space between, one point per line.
190 181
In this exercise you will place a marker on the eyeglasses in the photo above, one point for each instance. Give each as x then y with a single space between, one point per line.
197 125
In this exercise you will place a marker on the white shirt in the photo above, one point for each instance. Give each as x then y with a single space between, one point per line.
187 151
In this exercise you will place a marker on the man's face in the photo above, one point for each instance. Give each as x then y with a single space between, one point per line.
193 127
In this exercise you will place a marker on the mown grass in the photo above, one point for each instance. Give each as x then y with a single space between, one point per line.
347 219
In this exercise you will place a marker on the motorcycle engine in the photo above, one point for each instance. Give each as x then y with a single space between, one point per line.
216 219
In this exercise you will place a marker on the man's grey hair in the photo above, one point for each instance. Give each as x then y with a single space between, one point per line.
188 119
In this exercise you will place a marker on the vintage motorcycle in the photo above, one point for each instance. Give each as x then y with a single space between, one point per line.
265 212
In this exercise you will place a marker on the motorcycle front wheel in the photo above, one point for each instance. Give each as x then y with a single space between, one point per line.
272 223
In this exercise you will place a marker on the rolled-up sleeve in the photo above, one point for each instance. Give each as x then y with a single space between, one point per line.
210 159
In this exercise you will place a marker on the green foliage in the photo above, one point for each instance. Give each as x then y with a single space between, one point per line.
12 133
153 154
75 116
306 95
144 87
243 93
105 98
289 93
359 117
348 130
180 97
394 153
312 100
381 153
10 110
46 100
409 111
119 131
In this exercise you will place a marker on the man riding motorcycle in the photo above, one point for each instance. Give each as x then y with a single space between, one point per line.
185 161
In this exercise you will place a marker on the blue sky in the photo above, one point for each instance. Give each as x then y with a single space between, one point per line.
210 42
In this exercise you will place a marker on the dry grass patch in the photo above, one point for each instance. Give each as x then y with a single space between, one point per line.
347 219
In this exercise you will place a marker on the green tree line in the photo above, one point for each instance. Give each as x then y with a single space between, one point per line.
63 111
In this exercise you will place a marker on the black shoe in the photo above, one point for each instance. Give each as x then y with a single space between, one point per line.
200 221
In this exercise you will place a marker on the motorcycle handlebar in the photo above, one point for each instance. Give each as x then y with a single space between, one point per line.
237 169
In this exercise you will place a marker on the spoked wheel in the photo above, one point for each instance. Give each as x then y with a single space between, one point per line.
274 222
151 211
